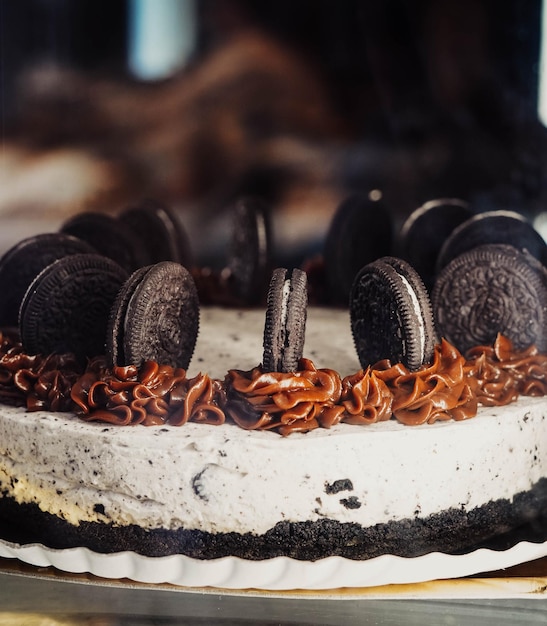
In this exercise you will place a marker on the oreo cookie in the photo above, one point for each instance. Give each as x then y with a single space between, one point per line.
109 237
154 317
250 251
24 261
425 231
391 316
360 232
285 325
493 227
160 232
488 290
67 306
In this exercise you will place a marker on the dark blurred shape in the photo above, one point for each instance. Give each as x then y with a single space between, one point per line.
301 103
87 35
361 232
251 250
424 232
493 227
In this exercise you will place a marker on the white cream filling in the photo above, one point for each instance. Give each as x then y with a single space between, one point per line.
285 293
418 313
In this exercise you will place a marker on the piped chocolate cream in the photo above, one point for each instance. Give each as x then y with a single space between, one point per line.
451 387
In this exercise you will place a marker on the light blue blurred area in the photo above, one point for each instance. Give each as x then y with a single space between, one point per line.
162 37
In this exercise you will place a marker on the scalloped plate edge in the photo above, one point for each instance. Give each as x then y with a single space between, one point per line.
278 574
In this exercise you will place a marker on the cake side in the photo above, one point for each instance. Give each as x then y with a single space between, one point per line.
228 481
499 525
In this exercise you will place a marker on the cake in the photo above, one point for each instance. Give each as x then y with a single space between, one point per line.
383 439
209 491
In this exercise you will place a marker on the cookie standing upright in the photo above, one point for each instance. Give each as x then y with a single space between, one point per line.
154 317
108 236
360 232
425 230
493 227
285 324
160 232
488 290
250 250
390 315
67 306
24 261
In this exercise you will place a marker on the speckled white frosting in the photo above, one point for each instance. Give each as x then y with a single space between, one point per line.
231 339
224 478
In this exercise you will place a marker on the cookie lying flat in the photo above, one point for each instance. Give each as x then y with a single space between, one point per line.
67 306
160 233
360 232
250 250
108 236
390 314
154 317
24 261
426 229
492 289
285 325
493 227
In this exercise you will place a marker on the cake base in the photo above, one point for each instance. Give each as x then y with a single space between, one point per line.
498 525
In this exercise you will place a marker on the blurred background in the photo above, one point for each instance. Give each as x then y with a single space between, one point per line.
301 102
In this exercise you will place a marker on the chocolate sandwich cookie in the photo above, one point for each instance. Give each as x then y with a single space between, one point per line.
160 232
488 290
108 236
493 227
24 261
360 232
250 251
285 326
426 229
154 317
391 316
67 306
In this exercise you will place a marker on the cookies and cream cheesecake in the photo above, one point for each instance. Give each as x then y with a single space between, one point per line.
382 439
212 483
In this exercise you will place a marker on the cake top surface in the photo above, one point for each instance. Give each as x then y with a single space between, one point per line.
229 339
332 376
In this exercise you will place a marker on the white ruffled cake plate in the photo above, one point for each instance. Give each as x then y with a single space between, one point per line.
279 574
